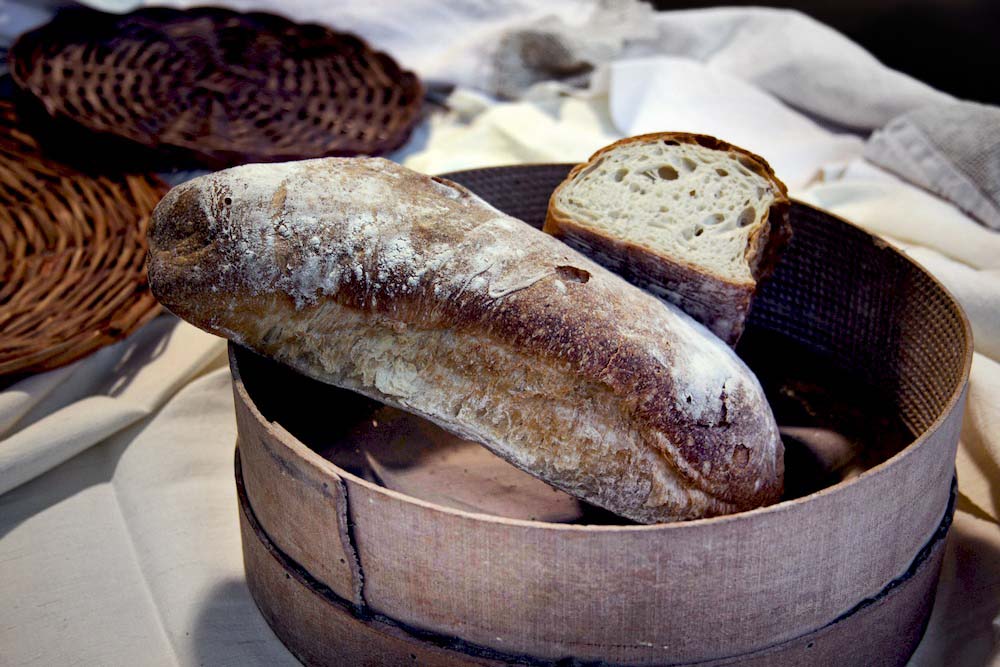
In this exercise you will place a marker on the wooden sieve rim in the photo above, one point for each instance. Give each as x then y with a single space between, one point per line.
951 404
784 506
292 568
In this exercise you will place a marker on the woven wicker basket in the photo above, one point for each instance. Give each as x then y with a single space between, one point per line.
72 255
216 87
348 571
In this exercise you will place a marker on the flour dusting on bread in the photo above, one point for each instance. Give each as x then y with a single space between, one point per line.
415 292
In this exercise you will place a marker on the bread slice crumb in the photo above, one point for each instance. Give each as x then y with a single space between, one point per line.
693 219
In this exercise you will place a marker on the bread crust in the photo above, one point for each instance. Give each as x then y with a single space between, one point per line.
717 302
414 291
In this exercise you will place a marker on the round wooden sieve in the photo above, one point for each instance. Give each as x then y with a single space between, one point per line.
783 583
321 628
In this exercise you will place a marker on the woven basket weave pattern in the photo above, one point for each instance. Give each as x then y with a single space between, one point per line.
72 255
218 87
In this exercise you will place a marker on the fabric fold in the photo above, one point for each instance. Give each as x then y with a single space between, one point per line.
952 150
55 416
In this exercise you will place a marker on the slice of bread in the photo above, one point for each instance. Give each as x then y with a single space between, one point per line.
690 218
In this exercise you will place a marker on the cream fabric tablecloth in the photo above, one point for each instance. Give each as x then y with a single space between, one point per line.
119 541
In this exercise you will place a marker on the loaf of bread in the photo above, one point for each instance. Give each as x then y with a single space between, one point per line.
413 291
692 219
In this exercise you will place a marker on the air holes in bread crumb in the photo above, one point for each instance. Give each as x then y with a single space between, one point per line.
667 173
670 142
620 175
689 164
747 216
572 274
713 219
722 172
753 166
591 168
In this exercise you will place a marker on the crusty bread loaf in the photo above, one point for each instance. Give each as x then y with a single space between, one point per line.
413 291
690 218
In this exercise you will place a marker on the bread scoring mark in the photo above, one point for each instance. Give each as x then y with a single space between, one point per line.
500 287
573 274
278 200
449 189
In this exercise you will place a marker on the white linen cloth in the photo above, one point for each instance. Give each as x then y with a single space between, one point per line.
808 65
118 533
51 417
951 149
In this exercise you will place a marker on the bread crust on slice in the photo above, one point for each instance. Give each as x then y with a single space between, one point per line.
720 302
413 291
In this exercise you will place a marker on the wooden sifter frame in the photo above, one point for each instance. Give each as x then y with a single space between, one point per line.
753 586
